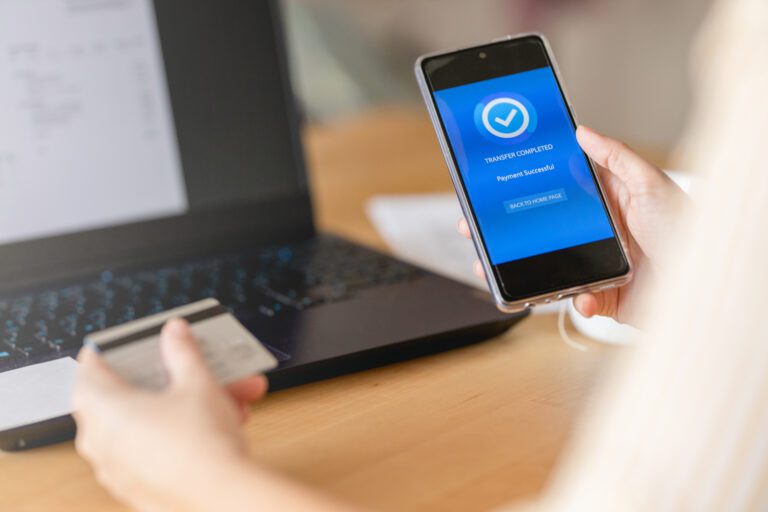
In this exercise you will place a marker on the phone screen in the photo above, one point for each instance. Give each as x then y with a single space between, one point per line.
532 189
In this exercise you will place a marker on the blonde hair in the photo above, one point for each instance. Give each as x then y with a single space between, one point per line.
682 423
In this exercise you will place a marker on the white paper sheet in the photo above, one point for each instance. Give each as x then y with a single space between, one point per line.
421 229
36 393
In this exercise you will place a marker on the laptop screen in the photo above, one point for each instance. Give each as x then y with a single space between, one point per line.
123 112
86 113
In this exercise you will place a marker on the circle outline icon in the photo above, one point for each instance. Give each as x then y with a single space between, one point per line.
506 101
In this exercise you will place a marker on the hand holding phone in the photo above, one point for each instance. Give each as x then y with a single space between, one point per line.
648 204
532 198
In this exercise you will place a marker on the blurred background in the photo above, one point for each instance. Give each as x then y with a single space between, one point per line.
625 62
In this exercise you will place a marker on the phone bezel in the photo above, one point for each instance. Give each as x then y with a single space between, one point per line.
493 278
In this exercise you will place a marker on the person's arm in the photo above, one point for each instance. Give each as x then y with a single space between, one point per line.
181 449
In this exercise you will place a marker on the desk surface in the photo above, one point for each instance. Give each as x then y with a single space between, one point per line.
465 430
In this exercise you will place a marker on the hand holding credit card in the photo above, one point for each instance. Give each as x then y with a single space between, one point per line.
232 353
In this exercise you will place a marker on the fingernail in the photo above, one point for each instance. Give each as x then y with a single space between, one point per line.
586 130
177 327
266 383
90 345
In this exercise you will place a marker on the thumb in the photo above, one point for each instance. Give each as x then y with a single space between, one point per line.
637 174
181 355
95 380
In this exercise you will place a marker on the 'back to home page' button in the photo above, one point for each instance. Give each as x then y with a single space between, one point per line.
535 201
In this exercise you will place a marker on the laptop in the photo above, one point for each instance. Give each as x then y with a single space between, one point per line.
150 157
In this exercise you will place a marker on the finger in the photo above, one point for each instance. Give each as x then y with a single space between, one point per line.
597 304
619 159
93 374
586 304
478 270
245 412
249 390
181 355
96 384
82 446
463 229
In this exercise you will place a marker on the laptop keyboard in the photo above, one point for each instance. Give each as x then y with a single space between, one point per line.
271 282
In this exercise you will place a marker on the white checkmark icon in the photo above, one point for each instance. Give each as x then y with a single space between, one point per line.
506 122
502 127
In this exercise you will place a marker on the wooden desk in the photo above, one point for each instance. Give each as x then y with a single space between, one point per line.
465 430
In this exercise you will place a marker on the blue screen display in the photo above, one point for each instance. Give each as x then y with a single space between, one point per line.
526 176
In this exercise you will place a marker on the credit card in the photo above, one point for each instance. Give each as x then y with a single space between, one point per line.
232 353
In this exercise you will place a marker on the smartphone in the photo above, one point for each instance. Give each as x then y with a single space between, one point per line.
532 198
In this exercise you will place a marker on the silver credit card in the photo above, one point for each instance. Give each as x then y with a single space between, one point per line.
230 350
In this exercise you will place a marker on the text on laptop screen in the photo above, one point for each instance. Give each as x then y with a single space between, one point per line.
90 132
86 130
